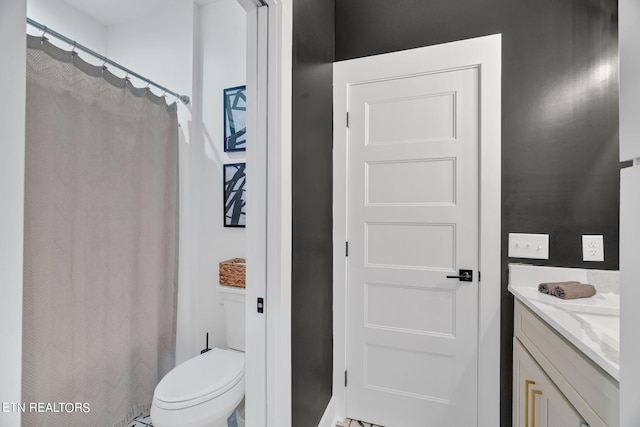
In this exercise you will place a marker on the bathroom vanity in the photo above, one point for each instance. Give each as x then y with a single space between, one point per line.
565 352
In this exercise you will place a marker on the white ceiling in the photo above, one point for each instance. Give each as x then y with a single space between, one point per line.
114 12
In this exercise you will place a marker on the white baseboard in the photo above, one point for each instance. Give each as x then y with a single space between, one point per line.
329 418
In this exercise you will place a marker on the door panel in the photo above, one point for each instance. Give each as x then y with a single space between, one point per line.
401 182
439 302
414 118
412 219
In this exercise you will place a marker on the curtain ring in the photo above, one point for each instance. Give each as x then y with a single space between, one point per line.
44 33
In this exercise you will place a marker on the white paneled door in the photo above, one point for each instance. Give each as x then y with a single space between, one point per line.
412 220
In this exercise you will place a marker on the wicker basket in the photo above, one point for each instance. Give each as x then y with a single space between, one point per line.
233 272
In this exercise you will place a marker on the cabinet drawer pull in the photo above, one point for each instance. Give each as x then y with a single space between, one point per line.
533 405
527 383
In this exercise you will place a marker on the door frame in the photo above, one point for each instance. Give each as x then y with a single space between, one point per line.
268 231
485 54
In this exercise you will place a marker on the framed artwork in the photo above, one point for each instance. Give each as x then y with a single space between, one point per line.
235 118
234 194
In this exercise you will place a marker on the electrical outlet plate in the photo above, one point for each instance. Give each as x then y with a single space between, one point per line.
593 247
533 246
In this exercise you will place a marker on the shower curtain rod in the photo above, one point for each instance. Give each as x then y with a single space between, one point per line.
46 30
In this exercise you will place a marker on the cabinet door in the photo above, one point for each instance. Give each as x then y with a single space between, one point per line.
536 400
558 411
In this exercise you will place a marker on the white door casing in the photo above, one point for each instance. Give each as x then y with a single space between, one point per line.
412 219
256 230
391 222
268 232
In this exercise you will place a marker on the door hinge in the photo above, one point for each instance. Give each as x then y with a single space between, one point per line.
260 305
346 249
347 119
345 378
478 276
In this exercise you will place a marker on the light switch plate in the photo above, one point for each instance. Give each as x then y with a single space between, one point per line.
534 246
593 247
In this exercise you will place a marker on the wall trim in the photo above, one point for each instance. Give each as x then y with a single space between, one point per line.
485 53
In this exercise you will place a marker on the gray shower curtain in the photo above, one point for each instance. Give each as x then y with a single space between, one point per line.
101 214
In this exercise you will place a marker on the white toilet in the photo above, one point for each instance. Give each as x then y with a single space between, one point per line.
205 391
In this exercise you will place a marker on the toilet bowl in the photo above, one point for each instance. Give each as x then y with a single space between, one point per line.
202 392
205 391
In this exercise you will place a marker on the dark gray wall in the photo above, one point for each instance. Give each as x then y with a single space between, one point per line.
312 275
560 171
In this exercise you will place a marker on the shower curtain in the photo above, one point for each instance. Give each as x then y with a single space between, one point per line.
100 272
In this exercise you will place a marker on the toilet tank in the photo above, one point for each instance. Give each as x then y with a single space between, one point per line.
234 309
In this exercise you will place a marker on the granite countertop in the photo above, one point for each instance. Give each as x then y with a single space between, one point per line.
590 324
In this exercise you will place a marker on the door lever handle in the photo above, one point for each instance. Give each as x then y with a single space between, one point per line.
464 276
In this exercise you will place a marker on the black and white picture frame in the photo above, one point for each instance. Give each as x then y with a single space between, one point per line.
234 194
235 118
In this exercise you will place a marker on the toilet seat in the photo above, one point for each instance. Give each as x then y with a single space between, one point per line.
200 379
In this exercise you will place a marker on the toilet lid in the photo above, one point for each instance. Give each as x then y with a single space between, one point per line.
200 379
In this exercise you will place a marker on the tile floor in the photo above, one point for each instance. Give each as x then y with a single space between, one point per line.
354 423
145 421
141 421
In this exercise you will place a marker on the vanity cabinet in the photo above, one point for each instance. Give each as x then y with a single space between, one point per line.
537 401
555 384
